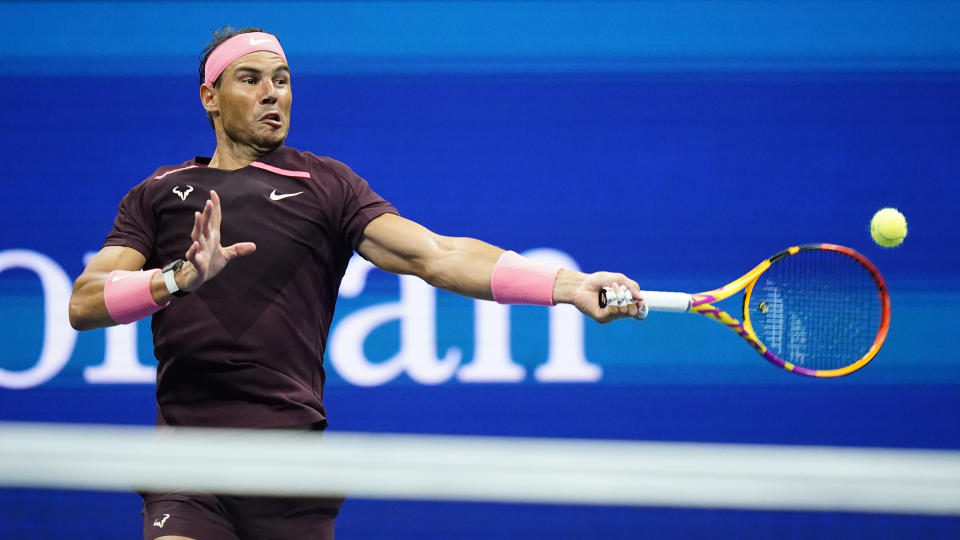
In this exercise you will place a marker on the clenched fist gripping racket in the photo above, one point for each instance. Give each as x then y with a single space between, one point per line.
820 310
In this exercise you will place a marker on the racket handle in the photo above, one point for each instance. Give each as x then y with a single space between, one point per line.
655 300
677 302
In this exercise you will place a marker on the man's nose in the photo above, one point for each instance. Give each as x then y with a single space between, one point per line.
269 93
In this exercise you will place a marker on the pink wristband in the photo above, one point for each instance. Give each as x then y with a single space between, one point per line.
519 280
127 295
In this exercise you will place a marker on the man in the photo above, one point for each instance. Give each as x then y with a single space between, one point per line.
244 254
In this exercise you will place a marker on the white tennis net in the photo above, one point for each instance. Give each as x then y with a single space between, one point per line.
491 469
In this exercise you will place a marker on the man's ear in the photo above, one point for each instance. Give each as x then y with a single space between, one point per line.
210 98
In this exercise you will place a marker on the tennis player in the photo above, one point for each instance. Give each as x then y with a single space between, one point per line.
238 258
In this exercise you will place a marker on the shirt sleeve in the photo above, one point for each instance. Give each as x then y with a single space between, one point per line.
135 224
361 205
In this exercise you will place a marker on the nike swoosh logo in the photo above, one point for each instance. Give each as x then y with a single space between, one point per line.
254 41
118 278
275 197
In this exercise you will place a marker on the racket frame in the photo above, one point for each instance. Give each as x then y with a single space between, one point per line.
702 303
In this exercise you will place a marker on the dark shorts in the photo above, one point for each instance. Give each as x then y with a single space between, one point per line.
218 517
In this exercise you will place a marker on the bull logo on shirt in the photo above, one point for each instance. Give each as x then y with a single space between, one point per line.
183 193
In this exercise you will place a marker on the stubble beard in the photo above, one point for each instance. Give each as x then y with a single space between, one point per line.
264 144
259 143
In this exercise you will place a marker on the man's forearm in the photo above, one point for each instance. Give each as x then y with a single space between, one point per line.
467 266
88 308
463 266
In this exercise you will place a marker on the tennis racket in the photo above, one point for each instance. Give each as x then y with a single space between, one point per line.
819 310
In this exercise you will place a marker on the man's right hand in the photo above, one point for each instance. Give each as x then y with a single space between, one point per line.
206 257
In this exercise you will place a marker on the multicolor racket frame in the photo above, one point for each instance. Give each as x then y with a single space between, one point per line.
825 314
702 303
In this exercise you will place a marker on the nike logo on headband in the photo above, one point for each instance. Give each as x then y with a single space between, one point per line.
255 41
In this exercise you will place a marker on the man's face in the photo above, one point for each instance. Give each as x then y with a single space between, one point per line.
254 100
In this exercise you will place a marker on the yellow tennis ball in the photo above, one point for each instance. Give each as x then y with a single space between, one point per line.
888 227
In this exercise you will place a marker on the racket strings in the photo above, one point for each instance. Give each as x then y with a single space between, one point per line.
817 309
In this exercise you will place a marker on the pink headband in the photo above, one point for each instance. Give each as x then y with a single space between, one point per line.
234 48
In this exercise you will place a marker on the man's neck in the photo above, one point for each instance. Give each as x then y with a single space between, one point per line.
231 155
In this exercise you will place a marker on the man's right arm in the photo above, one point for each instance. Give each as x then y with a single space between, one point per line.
205 259
87 308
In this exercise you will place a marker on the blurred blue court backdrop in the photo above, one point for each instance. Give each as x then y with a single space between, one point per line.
678 142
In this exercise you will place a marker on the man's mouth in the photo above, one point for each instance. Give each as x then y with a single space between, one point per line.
272 119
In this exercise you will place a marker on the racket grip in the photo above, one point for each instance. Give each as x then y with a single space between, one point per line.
677 302
656 300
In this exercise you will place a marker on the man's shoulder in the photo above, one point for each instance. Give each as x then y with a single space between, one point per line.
291 158
168 172
164 174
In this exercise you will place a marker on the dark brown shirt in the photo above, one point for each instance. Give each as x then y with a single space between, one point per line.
246 348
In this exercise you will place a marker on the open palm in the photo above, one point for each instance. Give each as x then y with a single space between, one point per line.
206 254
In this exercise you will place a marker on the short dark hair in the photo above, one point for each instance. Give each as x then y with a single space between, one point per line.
219 36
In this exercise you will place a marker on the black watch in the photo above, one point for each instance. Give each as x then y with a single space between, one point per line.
168 272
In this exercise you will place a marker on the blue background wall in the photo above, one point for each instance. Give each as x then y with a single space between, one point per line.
678 142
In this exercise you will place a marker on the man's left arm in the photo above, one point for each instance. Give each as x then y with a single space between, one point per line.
465 266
